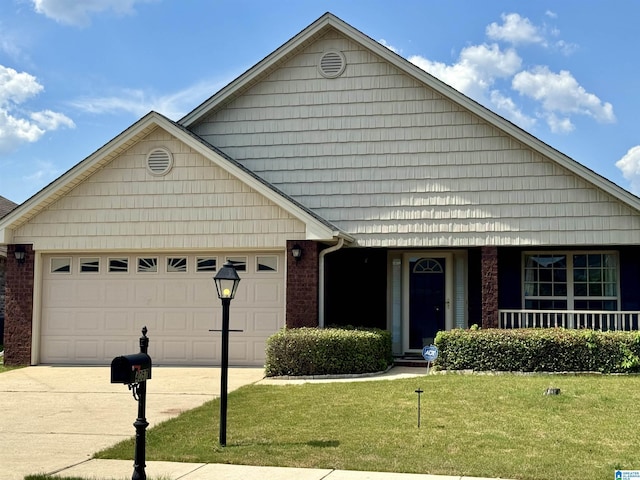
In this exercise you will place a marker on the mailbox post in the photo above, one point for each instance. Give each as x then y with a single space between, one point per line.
134 371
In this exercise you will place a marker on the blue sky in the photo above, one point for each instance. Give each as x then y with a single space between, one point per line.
75 74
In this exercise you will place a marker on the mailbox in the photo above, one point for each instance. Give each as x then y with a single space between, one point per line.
129 369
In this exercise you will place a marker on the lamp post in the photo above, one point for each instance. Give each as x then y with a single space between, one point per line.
226 281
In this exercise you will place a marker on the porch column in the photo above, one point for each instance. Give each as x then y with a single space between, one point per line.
18 307
489 287
302 285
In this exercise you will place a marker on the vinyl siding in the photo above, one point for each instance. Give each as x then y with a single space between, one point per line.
196 205
394 163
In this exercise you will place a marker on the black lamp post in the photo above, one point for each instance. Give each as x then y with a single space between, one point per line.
226 281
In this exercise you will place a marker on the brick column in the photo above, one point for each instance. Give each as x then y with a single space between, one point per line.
489 265
18 308
302 285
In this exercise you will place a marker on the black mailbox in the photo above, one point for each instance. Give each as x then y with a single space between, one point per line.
130 369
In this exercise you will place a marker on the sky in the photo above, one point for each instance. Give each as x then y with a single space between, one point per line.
75 74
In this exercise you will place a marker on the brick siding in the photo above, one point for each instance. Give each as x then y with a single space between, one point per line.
18 308
302 285
489 265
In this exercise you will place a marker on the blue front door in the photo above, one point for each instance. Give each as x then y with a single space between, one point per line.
427 296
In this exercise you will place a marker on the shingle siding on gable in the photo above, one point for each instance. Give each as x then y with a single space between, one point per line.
197 205
391 161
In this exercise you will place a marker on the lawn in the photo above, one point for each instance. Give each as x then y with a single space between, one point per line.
2 366
474 425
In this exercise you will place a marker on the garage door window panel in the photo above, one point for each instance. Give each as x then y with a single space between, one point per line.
267 263
206 264
90 265
148 265
118 265
176 265
240 263
61 265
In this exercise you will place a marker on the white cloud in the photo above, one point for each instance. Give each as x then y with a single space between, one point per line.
480 72
507 107
559 125
561 93
382 41
17 87
79 12
515 29
629 165
49 120
139 102
43 172
17 126
476 70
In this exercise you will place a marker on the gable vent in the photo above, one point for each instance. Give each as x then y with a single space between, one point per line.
332 64
159 161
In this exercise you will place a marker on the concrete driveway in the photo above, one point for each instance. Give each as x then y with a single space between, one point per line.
54 417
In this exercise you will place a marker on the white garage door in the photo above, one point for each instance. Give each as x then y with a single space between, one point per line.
94 307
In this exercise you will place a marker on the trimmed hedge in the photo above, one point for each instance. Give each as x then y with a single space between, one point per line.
328 351
539 350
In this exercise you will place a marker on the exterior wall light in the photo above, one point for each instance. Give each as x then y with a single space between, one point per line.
20 254
296 251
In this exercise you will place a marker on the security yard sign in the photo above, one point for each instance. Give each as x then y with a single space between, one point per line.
430 354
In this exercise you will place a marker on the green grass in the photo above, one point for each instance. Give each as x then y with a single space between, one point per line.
474 425
3 368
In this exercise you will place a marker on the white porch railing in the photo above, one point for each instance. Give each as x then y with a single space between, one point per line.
590 319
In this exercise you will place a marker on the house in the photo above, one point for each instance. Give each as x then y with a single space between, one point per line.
6 206
415 209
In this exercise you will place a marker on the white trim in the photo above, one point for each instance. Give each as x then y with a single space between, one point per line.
36 316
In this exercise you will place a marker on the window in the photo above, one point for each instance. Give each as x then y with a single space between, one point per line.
206 264
118 265
89 265
61 265
267 264
427 265
147 265
239 262
571 281
176 264
595 281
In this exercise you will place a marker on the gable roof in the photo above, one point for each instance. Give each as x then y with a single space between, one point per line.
6 206
317 228
328 22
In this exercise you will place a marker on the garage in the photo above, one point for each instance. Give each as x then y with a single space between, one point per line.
95 305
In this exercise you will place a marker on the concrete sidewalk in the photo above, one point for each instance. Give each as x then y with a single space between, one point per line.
121 469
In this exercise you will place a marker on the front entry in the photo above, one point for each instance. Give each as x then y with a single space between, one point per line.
428 299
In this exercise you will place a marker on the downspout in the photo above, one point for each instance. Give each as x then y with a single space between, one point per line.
323 253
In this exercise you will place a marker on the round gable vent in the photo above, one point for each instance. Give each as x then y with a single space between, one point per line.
332 64
159 161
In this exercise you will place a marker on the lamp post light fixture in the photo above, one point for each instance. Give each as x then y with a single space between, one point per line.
226 281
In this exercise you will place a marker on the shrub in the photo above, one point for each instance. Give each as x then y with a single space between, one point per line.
539 350
329 351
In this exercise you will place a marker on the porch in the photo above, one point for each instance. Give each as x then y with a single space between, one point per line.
604 320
